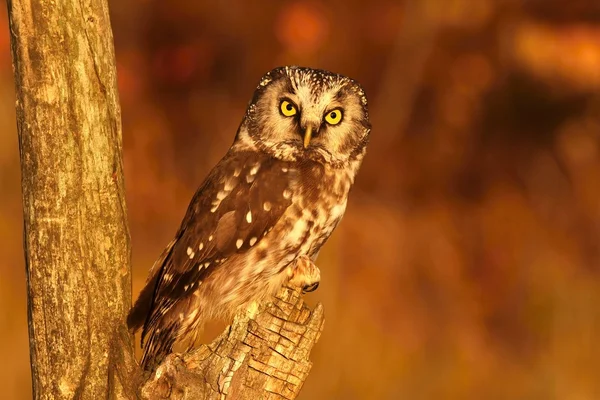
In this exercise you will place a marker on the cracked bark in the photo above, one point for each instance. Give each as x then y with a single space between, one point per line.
76 238
257 357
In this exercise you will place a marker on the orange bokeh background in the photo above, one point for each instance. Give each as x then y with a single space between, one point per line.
468 263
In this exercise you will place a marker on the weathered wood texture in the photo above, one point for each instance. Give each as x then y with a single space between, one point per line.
76 237
257 357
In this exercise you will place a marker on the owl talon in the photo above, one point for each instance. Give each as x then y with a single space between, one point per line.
305 274
310 288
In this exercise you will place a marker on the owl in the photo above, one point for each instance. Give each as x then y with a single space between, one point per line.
261 216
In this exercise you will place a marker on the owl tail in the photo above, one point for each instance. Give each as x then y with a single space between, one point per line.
156 348
141 309
143 305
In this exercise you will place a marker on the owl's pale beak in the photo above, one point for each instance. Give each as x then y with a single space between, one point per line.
307 136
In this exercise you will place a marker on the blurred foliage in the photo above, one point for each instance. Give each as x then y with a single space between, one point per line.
468 263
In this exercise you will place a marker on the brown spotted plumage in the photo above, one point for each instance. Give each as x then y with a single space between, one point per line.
263 212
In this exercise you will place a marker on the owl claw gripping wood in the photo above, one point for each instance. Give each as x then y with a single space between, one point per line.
264 211
303 273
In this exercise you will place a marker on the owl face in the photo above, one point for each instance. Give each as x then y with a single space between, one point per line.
301 113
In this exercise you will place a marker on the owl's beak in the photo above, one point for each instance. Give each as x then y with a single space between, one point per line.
307 136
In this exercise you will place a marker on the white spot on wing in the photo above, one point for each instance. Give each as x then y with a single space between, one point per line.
284 169
239 243
190 252
249 217
228 187
254 169
210 238
252 241
287 194
237 171
267 206
200 246
230 184
222 194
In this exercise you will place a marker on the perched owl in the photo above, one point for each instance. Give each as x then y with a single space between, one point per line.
263 212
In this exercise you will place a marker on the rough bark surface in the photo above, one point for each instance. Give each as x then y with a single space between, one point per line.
76 237
75 233
263 356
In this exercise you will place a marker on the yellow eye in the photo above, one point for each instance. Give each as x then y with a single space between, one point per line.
334 117
288 109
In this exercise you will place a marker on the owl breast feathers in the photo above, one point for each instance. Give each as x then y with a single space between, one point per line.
273 200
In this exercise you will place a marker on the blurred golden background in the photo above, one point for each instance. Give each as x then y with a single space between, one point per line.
468 263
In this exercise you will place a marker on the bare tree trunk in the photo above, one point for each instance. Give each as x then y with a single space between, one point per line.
76 237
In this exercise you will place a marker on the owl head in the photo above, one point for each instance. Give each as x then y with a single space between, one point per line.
301 113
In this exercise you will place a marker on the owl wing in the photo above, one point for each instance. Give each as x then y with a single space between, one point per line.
240 201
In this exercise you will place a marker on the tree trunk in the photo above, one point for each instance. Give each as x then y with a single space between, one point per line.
76 237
